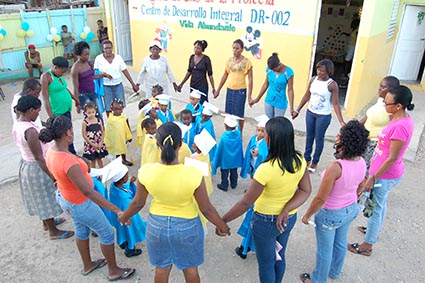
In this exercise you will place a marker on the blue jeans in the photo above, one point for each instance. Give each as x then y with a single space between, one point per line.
265 234
272 111
87 216
87 97
233 177
235 102
111 92
380 195
331 237
316 126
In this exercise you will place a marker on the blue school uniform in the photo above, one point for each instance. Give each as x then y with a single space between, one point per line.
165 117
263 151
100 188
229 152
209 126
196 112
134 233
189 136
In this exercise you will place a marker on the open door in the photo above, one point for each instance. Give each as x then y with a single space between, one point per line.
410 45
122 30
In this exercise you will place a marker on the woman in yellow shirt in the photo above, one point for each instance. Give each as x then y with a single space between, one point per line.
280 185
174 231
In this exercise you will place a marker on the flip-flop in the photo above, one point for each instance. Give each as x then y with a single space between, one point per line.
66 235
99 264
355 249
58 221
127 273
362 229
304 277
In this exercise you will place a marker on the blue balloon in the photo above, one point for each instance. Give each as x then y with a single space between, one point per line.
91 35
3 32
25 26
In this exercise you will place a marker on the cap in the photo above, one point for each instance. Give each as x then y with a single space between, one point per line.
209 109
231 120
196 93
262 120
204 141
183 127
156 43
120 172
145 109
31 46
163 99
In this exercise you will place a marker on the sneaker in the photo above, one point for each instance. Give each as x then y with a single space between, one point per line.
221 187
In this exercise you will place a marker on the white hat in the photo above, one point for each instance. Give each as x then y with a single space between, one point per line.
209 109
156 43
120 173
262 120
183 127
204 141
231 120
163 99
145 109
196 93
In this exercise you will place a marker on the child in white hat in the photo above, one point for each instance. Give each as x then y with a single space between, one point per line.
164 114
207 124
195 106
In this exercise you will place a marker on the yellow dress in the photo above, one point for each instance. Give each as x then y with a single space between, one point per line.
208 182
117 133
150 151
184 152
140 132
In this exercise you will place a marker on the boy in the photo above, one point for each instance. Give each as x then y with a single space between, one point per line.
207 124
186 118
102 33
164 114
33 60
195 106
68 43
229 154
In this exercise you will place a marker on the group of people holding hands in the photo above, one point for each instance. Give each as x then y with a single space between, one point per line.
280 183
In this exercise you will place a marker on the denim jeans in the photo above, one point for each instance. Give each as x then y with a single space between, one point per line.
380 195
316 126
265 234
111 92
233 177
71 147
331 240
87 97
272 111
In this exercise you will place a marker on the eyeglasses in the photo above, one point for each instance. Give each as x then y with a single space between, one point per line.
389 104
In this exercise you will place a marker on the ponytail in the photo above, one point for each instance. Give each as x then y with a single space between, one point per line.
168 138
56 127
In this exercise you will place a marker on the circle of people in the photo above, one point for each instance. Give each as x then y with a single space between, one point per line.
54 180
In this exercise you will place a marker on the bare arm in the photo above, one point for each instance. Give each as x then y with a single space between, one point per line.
136 204
212 83
263 89
250 84
31 136
186 77
27 58
291 95
75 81
304 100
335 102
130 80
222 82
45 81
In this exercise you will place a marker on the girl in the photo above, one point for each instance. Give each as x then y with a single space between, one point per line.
118 132
92 130
150 150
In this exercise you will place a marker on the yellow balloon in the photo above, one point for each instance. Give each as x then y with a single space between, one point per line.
21 33
30 33
56 38
1 37
83 35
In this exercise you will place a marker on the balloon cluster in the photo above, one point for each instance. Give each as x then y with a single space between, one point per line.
53 35
87 34
25 30
2 33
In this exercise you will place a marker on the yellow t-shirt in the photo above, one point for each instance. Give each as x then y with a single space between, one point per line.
172 188
237 73
377 119
150 151
278 188
184 151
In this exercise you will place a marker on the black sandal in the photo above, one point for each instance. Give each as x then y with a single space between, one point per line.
304 277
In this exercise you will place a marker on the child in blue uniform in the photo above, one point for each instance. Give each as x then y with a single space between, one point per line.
164 114
195 106
229 154
121 194
186 118
207 124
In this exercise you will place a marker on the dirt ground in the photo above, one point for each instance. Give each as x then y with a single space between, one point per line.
27 255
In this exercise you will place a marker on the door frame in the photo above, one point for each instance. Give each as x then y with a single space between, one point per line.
118 39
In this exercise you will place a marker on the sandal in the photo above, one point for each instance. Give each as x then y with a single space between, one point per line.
362 229
98 264
355 249
67 234
58 221
126 162
304 277
127 273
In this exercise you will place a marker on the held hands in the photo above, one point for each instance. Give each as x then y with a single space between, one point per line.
179 88
294 114
216 93
222 232
136 88
124 220
176 87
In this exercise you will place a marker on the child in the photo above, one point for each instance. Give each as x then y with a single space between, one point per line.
150 150
68 43
229 154
195 106
93 132
102 33
118 132
140 135
164 114
157 90
186 119
121 194
207 124
184 150
256 152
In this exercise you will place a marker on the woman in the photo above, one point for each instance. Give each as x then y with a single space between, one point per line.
280 185
82 73
174 231
279 77
321 94
155 70
199 67
335 204
111 65
386 167
377 117
79 200
36 182
56 95
237 68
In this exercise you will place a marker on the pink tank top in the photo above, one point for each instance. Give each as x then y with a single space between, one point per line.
344 191
18 131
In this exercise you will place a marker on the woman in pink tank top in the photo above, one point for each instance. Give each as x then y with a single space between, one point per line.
335 204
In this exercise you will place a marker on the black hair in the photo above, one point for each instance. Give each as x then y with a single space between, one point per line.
64 26
107 41
185 112
80 46
392 81
353 140
27 102
30 83
329 66
403 96
90 105
143 103
281 143
168 138
99 21
56 127
159 88
202 43
60 62
273 61
240 42
117 101
147 122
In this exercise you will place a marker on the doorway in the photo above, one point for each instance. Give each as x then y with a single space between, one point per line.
122 33
407 64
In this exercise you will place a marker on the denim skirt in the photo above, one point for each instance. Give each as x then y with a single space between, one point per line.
174 241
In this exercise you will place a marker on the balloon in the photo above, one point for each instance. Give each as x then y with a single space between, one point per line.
90 35
21 33
3 32
49 37
56 38
1 37
86 29
30 33
83 35
53 30
25 26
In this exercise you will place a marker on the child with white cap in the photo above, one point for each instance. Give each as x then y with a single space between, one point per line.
146 109
207 124
164 114
229 154
195 106
122 192
186 119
